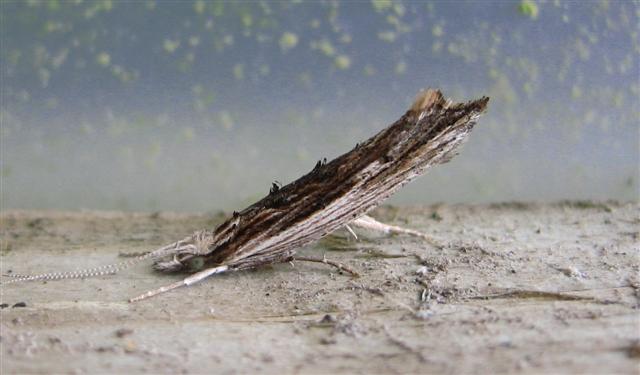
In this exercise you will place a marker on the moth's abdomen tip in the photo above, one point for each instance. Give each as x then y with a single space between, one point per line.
426 99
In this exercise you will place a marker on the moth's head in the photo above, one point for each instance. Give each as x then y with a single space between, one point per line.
186 255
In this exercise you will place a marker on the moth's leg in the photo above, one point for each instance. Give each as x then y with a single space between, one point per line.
186 282
370 223
324 260
247 263
351 231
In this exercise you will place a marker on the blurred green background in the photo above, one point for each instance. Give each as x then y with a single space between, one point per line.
200 105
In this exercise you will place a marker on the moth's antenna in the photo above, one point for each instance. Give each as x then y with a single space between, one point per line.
109 269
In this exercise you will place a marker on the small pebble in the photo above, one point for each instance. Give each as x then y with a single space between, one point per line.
20 304
122 332
327 341
328 319
424 314
573 272
4 305
130 347
505 342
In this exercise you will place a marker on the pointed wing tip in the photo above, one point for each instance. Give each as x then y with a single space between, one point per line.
482 103
431 97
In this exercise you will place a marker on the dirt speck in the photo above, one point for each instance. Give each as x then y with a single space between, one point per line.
122 332
633 351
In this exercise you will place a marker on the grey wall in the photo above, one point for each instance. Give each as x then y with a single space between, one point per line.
194 106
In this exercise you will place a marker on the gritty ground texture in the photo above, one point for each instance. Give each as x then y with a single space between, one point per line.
518 288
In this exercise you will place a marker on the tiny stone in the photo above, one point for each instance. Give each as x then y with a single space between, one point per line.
327 341
54 340
4 306
20 304
122 332
422 271
505 342
573 272
129 347
633 351
424 314
328 319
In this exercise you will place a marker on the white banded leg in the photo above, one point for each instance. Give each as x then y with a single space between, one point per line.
367 222
198 276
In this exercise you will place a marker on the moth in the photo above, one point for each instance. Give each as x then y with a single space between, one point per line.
332 195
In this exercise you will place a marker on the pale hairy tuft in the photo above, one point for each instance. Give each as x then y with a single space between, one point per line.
426 99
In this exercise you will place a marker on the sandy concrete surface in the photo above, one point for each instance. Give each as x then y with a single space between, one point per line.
517 288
